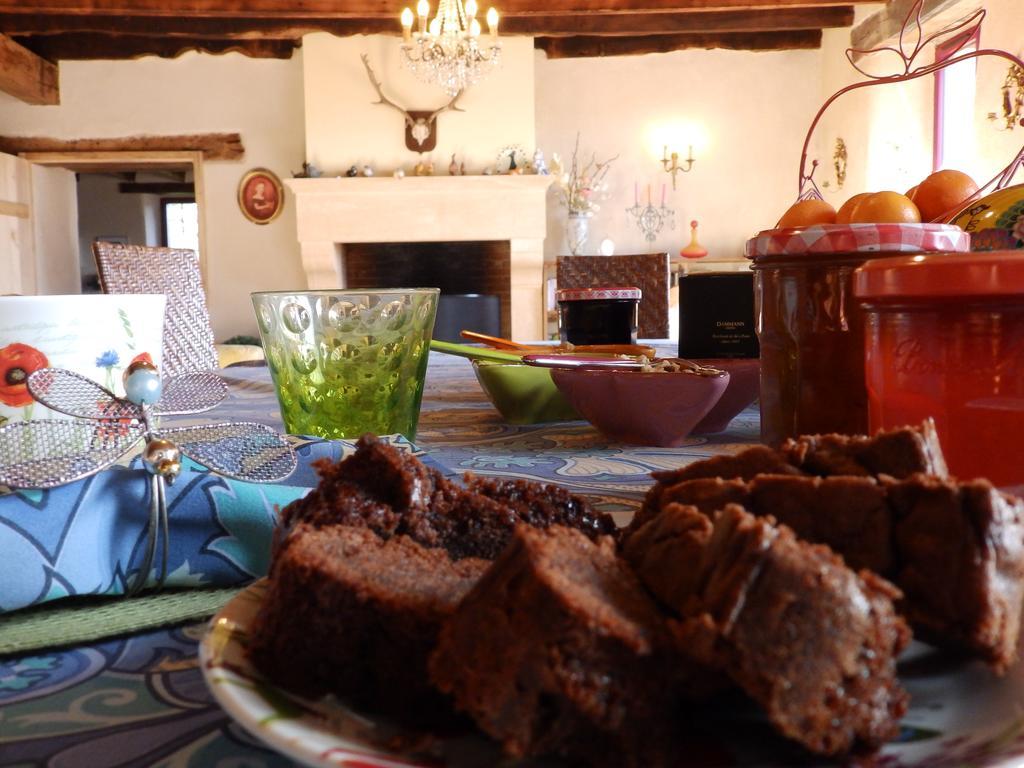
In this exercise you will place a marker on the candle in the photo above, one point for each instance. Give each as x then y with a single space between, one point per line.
492 22
648 194
663 195
422 10
664 154
689 153
407 24
636 193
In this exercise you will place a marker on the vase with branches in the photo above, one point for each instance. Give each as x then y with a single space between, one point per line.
581 188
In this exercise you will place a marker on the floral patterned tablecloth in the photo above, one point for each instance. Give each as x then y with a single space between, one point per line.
140 700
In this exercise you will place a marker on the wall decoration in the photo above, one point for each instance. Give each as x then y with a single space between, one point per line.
420 125
511 159
260 196
650 219
1013 100
839 162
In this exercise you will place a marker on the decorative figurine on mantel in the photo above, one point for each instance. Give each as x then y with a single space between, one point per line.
540 165
367 170
453 167
424 168
309 171
352 172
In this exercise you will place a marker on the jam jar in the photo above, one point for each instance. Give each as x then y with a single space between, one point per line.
603 315
810 326
944 338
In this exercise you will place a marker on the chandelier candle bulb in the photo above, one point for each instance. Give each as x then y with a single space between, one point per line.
423 10
474 28
492 22
471 9
406 24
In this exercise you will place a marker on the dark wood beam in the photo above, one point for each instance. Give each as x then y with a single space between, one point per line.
156 188
585 46
214 146
114 46
772 19
383 8
27 76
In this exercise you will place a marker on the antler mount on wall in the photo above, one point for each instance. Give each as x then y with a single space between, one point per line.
420 125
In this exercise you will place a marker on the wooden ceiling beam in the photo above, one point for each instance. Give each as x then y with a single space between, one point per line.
214 146
588 46
774 19
114 46
27 76
884 26
289 9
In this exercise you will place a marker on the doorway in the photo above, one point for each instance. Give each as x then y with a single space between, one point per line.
143 198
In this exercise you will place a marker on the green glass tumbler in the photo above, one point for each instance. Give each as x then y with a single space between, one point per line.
346 362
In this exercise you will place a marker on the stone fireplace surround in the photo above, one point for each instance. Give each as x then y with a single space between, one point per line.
331 213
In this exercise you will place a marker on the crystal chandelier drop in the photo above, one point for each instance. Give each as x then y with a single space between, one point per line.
449 51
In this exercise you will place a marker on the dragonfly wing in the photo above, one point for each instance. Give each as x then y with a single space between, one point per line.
243 450
191 393
52 452
75 395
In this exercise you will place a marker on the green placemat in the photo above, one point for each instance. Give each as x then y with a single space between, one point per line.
75 621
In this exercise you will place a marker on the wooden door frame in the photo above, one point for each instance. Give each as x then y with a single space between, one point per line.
132 161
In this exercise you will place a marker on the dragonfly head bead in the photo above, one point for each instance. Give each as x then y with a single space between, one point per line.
162 457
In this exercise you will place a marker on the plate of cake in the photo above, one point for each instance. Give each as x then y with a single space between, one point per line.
759 610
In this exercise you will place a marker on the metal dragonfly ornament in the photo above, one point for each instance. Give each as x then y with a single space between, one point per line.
48 453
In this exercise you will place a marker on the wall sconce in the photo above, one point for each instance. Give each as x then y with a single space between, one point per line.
671 163
1013 100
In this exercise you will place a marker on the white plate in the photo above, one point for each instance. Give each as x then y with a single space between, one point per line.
960 713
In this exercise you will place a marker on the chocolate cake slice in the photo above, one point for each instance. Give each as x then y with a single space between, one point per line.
898 453
960 564
954 549
391 492
559 650
350 613
812 642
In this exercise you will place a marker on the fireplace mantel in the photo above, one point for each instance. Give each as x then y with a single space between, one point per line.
332 212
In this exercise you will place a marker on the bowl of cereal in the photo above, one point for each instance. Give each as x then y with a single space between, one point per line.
657 405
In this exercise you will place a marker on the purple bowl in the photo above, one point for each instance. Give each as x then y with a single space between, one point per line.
744 387
658 409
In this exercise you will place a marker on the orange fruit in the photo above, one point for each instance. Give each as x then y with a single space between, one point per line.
943 193
885 208
807 213
846 209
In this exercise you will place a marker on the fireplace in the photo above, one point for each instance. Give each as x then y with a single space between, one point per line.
490 229
474 267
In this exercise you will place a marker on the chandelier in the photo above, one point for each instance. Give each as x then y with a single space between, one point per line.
449 51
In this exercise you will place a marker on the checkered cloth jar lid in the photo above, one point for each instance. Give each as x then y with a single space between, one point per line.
603 292
831 239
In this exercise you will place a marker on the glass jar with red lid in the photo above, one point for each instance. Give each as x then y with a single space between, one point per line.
601 315
945 339
810 326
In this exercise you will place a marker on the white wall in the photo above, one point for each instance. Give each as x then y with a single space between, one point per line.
196 93
745 112
56 231
345 127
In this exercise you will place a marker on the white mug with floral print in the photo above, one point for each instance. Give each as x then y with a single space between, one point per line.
95 335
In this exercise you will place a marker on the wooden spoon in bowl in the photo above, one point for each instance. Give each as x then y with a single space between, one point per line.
634 350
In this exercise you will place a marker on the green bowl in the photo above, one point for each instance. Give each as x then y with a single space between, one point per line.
523 394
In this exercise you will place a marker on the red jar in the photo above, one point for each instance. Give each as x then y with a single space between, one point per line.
809 324
945 339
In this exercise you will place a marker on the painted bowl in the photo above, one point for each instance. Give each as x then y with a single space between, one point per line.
95 335
523 394
658 409
744 387
996 221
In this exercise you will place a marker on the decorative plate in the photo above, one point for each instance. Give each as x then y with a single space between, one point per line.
960 715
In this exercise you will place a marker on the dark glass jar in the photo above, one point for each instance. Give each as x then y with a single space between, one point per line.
606 315
810 325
